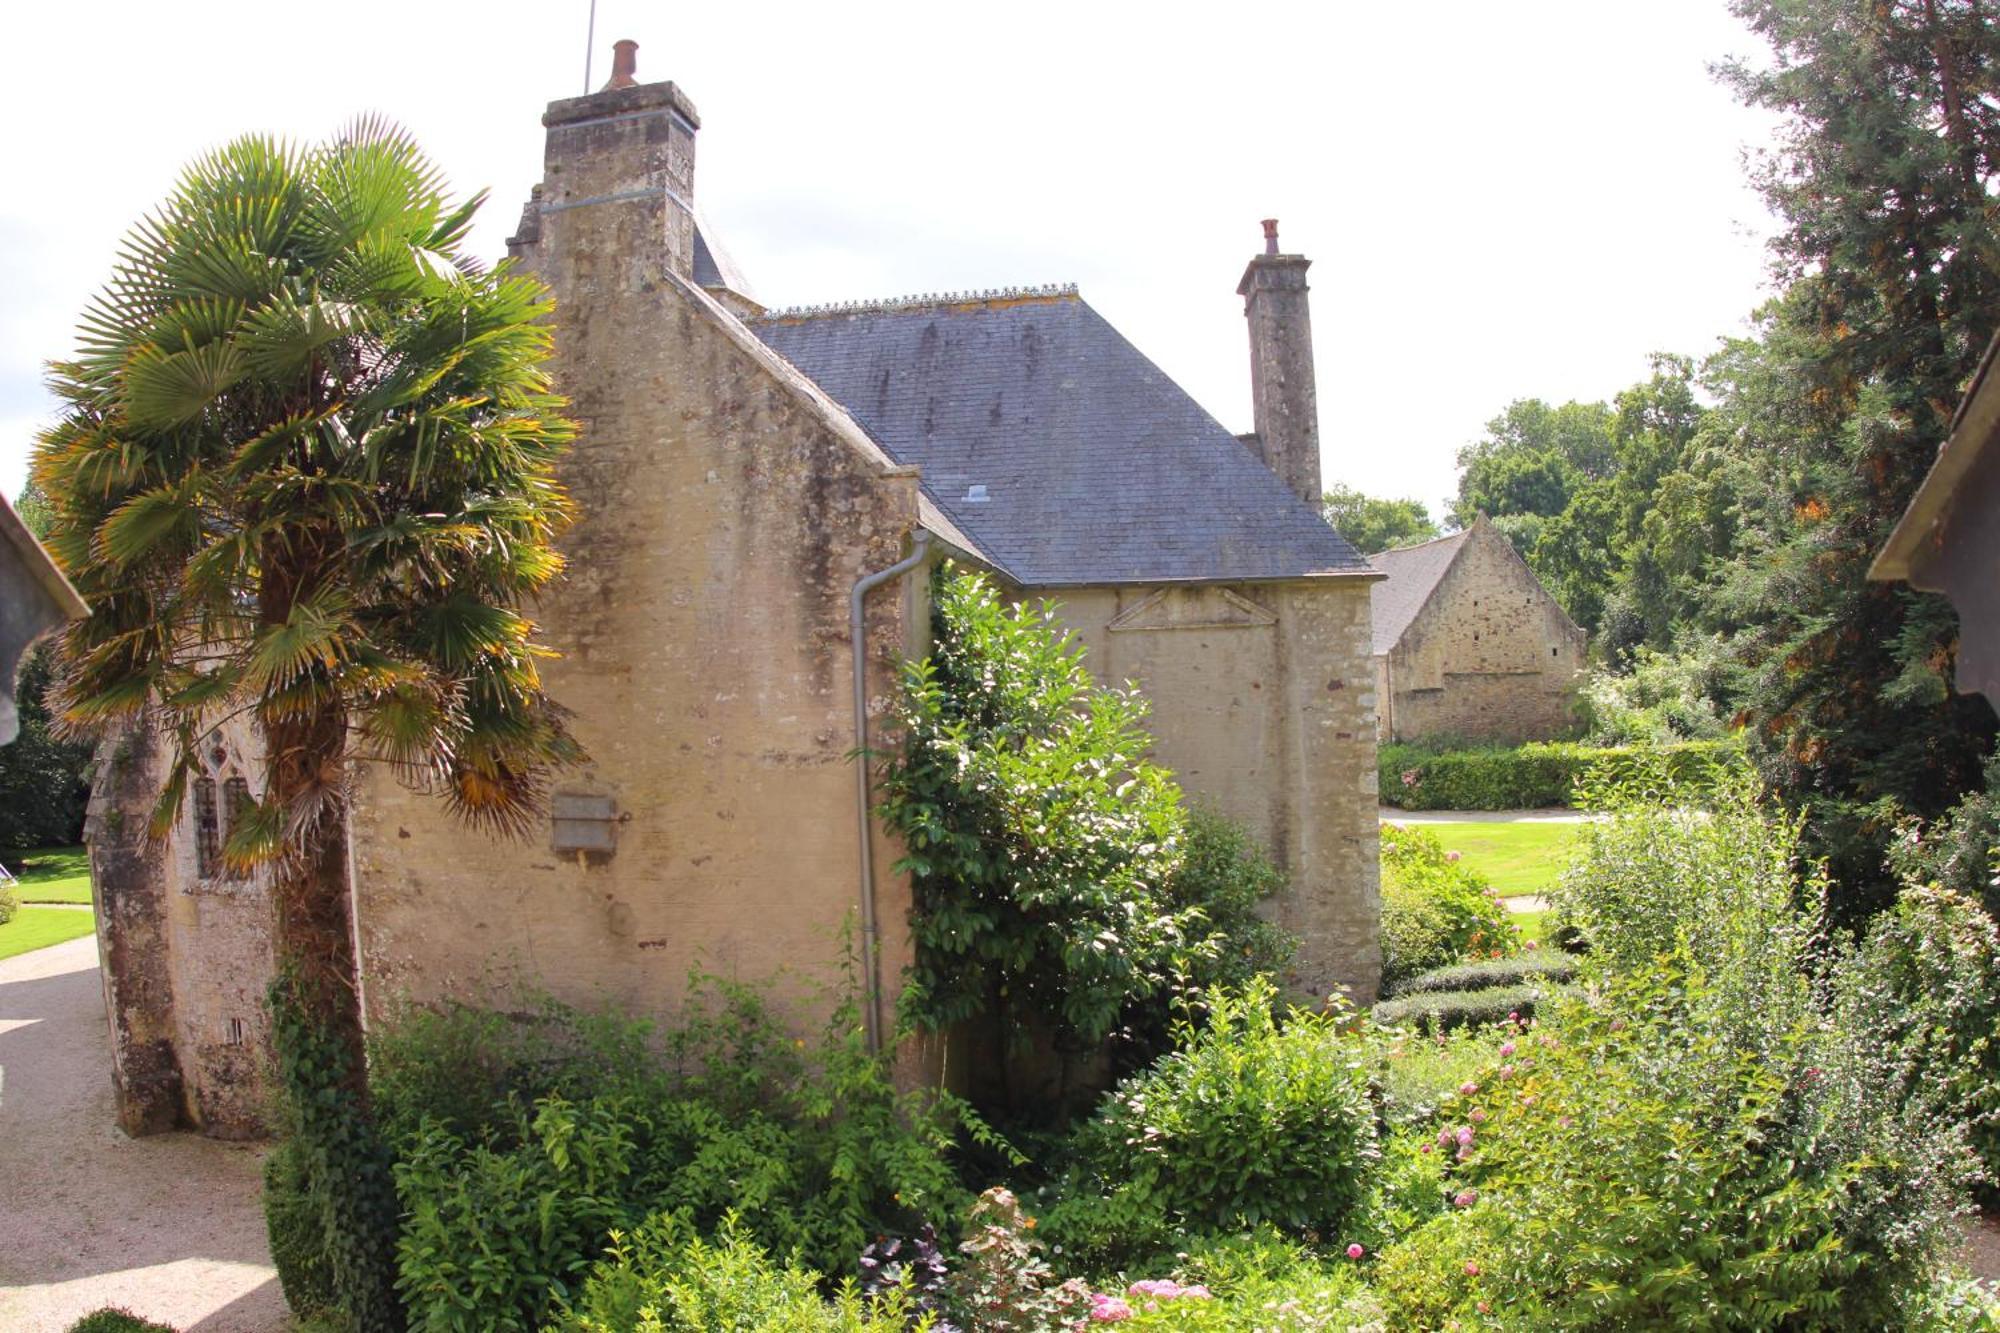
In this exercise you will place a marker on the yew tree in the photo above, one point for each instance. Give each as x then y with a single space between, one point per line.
1882 180
304 474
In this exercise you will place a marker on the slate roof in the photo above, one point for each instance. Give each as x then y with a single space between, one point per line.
1414 574
1060 453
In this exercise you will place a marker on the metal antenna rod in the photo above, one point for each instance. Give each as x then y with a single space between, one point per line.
589 45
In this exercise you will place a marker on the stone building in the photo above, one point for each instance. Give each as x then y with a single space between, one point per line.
761 496
1948 540
34 599
1469 644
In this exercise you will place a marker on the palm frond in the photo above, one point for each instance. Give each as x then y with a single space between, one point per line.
157 524
168 389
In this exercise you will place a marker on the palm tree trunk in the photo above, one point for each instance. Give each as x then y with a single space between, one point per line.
317 1022
317 1028
312 906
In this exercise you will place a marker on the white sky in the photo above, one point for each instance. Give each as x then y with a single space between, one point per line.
1502 199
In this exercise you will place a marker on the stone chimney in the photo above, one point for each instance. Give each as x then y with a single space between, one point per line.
1281 366
622 158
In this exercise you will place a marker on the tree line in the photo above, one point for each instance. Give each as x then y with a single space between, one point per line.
1724 510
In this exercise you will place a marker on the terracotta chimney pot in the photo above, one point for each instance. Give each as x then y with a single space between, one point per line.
624 65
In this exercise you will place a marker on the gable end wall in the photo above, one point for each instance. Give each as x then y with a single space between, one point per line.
1491 656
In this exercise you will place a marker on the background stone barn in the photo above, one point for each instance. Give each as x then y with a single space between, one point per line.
1469 644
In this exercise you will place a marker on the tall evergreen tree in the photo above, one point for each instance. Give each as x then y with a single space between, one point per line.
1882 180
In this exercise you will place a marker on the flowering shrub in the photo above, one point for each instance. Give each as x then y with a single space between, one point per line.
1250 1122
1004 1285
1435 910
1704 1141
1249 1282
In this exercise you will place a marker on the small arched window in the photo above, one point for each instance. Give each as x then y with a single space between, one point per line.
207 830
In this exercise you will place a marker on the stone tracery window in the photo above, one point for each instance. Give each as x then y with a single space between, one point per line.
235 800
207 829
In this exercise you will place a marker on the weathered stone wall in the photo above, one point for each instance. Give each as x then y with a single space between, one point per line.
726 508
187 955
1254 721
1490 657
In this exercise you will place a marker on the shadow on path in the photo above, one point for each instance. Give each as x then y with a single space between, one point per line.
167 1226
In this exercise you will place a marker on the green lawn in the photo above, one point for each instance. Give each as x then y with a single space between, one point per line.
51 875
39 927
1526 856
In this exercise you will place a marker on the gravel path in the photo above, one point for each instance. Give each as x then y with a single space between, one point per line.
167 1226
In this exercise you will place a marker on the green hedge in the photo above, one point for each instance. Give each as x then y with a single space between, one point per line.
1549 967
1532 776
1437 1011
113 1320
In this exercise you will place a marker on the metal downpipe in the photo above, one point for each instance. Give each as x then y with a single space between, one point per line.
871 957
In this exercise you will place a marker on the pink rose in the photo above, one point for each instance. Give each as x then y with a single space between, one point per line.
1451 856
1478 1115
1506 1049
1471 1269
1465 1198
1355 1251
1467 1089
1464 1135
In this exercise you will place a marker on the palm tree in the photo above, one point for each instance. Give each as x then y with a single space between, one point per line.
305 473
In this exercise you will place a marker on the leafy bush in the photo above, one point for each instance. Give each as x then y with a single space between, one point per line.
1926 984
1443 1011
1657 876
665 1276
10 903
1660 699
1416 1074
1617 1169
1536 775
1548 967
1214 892
113 1320
1251 1121
1038 835
1722 1130
1960 850
505 1210
295 1223
1435 910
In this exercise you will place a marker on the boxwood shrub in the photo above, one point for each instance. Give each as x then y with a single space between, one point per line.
1534 776
1546 968
1439 1011
114 1320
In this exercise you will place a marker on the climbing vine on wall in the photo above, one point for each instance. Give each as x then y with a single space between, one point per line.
1042 845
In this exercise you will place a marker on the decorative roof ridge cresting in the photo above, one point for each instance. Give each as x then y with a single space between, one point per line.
1049 291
